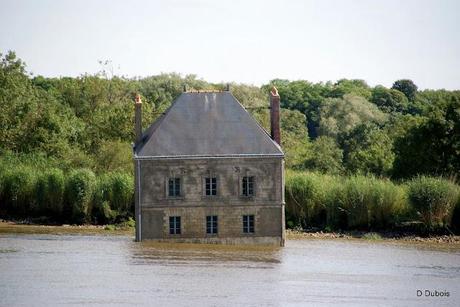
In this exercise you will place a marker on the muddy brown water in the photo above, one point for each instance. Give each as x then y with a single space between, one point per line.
45 270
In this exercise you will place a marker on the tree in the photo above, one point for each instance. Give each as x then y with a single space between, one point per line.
31 118
432 145
339 116
407 87
368 150
302 96
294 138
325 156
389 100
355 87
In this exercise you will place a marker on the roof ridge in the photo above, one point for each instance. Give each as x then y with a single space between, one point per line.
205 91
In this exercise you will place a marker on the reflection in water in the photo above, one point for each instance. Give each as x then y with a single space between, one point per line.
203 254
112 270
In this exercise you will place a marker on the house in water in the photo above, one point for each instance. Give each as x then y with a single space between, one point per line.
207 172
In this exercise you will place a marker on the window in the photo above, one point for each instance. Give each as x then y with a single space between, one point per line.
248 223
211 186
248 186
174 225
211 224
174 187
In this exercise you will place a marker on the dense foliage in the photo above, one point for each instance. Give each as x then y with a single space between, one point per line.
369 203
65 143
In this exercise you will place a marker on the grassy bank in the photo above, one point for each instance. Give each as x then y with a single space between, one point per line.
50 195
326 202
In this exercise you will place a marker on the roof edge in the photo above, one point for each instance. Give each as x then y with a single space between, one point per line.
194 157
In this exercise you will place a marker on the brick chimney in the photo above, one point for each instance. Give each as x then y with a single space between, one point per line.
138 118
275 115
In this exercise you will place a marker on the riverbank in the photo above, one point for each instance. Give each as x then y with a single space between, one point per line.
126 230
17 227
451 241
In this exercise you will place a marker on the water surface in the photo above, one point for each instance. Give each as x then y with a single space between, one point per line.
49 270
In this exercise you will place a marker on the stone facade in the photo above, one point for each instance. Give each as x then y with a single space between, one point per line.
229 205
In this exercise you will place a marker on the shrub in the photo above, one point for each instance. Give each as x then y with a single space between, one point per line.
337 215
122 192
113 198
355 200
455 221
78 195
299 192
50 189
18 190
388 203
339 202
102 212
433 199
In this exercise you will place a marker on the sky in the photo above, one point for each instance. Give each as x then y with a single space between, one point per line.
243 41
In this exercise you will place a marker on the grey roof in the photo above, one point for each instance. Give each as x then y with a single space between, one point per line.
206 124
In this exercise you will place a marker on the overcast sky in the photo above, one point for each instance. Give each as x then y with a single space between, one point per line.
244 41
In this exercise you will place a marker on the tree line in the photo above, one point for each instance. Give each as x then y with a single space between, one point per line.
345 128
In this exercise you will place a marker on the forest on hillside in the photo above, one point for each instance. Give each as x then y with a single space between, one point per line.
65 143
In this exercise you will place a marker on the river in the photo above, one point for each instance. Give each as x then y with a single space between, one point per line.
45 270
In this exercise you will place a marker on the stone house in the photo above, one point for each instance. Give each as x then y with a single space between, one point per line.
207 172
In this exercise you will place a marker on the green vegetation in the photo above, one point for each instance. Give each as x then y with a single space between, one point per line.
433 199
367 203
360 157
338 202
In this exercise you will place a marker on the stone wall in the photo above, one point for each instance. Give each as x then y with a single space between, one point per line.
267 204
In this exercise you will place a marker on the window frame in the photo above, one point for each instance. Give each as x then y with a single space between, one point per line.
247 227
174 187
175 225
212 225
250 185
210 177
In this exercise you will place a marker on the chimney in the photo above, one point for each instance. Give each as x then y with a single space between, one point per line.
275 115
138 118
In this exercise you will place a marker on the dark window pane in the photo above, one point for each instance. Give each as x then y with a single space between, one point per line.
177 187
170 187
178 228
171 225
251 185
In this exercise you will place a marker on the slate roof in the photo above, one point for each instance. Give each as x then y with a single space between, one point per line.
206 124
